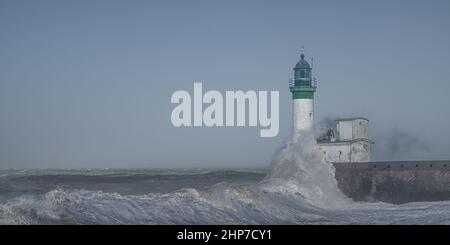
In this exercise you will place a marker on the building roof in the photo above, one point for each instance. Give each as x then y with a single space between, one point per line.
351 119
302 63
343 142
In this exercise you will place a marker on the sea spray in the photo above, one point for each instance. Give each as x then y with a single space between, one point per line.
299 168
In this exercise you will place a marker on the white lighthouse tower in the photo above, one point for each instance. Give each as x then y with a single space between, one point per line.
302 88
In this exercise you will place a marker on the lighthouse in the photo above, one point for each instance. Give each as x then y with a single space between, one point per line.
302 88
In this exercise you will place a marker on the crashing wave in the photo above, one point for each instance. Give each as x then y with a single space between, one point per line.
300 169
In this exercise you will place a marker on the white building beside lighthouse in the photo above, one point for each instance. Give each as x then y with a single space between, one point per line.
347 141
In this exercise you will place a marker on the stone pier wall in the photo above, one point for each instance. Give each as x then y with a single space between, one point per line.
395 182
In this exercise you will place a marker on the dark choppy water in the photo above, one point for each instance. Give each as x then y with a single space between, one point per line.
122 181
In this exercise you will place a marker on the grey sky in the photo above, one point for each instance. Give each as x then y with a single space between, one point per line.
88 83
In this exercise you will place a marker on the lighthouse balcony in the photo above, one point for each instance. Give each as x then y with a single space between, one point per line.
313 85
302 89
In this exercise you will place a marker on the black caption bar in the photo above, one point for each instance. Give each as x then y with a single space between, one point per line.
229 234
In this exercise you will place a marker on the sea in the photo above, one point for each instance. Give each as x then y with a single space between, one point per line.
298 188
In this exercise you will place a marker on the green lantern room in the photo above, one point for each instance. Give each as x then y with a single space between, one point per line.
302 86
